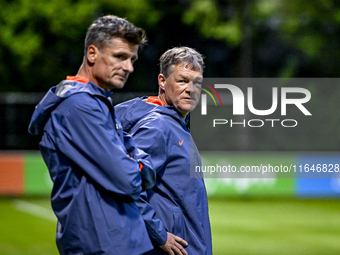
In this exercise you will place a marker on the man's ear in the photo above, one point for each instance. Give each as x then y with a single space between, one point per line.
161 81
92 53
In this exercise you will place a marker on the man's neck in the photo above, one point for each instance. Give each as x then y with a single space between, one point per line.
85 72
161 97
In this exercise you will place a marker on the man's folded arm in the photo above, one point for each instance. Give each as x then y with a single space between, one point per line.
94 145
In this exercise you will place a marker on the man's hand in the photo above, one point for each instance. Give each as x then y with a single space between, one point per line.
174 245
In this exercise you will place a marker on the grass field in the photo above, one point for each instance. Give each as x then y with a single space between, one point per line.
252 226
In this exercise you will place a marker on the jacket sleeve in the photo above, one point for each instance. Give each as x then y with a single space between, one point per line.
86 135
147 173
149 137
155 227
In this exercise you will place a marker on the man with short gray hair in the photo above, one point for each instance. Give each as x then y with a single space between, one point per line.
175 211
96 169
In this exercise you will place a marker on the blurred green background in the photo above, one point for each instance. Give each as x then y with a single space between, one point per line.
41 42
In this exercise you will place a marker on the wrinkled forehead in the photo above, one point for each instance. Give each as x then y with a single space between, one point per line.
120 42
186 66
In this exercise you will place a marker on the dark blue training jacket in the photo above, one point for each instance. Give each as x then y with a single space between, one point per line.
95 182
177 203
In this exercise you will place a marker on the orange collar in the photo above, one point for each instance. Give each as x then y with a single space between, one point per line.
155 100
81 79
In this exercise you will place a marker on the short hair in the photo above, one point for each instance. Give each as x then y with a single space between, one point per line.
186 56
103 29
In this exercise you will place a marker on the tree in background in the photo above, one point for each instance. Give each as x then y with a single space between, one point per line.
305 34
42 41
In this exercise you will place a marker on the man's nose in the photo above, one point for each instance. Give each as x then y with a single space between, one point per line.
191 87
128 66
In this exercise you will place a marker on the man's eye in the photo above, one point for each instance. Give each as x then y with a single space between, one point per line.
120 56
